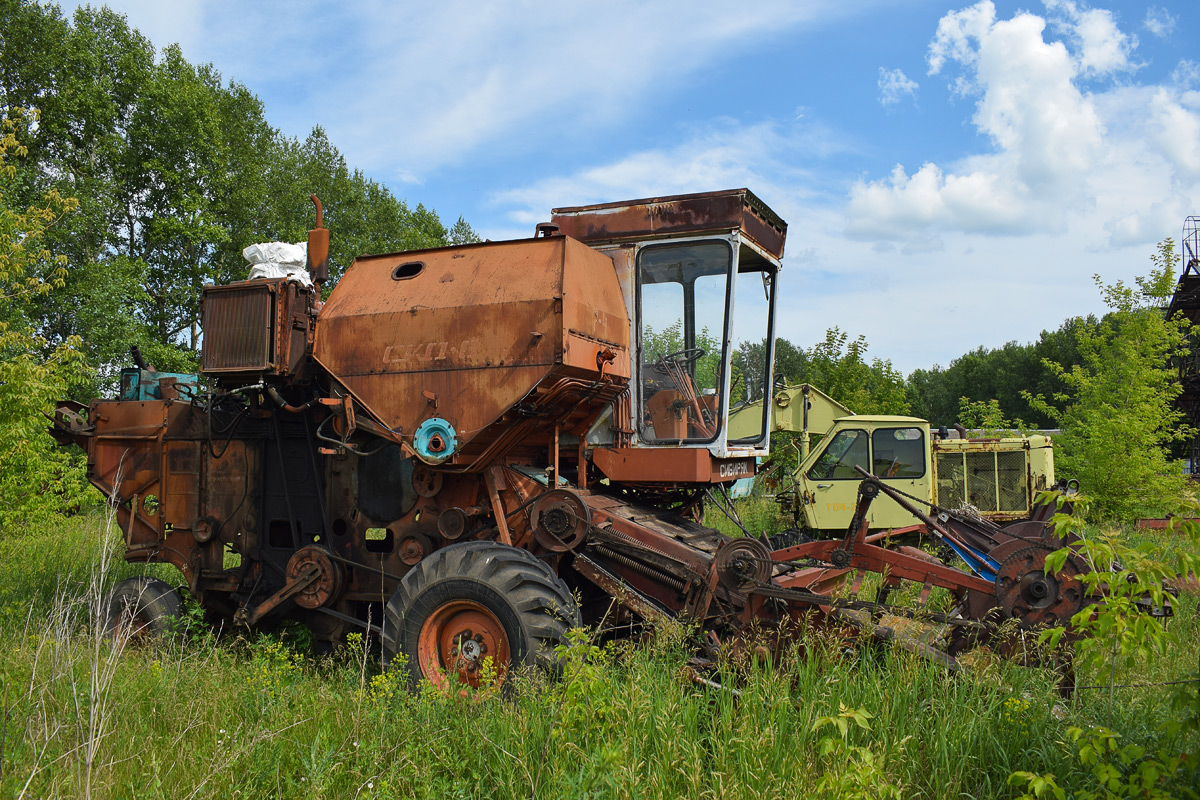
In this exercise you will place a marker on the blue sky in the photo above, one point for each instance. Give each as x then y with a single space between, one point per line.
952 174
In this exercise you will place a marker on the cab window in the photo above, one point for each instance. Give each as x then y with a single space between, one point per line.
898 453
847 450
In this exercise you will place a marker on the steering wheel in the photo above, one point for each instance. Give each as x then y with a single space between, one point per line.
680 358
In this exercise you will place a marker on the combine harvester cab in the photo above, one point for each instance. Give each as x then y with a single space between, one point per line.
468 450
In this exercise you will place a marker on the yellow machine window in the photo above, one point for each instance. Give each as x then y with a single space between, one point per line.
898 453
847 450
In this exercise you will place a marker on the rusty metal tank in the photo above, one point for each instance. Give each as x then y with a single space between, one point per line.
535 329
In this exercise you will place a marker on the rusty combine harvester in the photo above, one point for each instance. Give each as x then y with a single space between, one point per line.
469 450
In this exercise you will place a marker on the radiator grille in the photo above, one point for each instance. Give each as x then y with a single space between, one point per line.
952 481
238 322
993 482
1011 472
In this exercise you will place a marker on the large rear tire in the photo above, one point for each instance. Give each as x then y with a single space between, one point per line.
471 612
139 609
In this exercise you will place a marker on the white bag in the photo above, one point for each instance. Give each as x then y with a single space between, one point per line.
278 260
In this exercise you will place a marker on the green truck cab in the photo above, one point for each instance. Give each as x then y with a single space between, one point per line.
999 477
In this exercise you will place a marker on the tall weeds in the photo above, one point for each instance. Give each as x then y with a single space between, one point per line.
252 717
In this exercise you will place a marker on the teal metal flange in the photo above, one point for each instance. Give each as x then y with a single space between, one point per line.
435 440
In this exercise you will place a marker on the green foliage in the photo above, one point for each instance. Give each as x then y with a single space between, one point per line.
1119 771
852 771
756 512
462 233
1001 374
1119 417
838 366
1115 637
583 695
339 726
656 344
986 417
274 667
176 171
1116 634
37 478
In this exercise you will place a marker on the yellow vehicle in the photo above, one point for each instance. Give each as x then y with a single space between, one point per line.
1000 478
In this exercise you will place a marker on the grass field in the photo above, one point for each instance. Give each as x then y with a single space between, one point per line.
201 716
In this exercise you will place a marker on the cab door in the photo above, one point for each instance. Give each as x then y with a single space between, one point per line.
830 481
900 456
897 452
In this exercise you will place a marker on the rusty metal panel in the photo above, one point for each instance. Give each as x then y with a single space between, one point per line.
181 484
734 209
238 322
467 333
673 465
294 325
594 314
125 462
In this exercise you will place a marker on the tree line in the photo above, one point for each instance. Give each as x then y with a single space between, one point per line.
175 170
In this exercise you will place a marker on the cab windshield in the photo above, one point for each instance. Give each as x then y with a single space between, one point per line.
683 292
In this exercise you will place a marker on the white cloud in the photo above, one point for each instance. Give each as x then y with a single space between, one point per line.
955 34
1063 157
1159 21
770 159
460 76
417 87
1177 130
1186 74
894 86
1100 46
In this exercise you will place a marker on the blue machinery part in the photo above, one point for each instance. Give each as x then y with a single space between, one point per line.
980 563
435 440
145 384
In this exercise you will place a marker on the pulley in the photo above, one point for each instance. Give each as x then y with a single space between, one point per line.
743 563
325 587
560 520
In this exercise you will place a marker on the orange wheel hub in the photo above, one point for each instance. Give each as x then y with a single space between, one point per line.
458 638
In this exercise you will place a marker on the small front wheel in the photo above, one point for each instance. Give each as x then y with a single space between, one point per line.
470 612
139 609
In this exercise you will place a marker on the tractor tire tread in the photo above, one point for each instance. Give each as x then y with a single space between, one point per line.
528 589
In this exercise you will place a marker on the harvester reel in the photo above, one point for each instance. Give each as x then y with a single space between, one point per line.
560 520
1028 593
328 584
743 563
